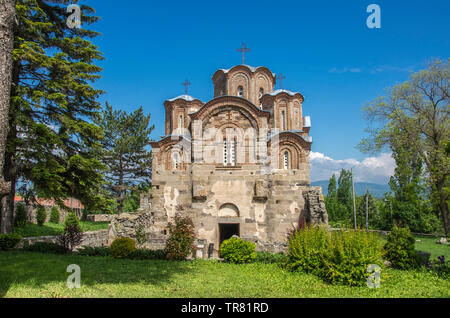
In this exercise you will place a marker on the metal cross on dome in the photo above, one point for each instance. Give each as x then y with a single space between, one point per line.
243 49
280 77
186 84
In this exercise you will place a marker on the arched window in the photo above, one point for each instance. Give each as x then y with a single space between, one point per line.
283 120
286 160
180 122
176 160
225 152
261 92
233 152
240 91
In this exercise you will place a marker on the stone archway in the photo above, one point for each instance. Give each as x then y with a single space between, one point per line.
228 210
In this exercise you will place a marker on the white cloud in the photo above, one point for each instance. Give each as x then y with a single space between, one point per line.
373 70
345 70
371 169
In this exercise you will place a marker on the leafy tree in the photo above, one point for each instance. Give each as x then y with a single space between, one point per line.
416 113
52 143
125 150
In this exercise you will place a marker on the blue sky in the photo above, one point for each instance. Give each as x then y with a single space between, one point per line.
324 49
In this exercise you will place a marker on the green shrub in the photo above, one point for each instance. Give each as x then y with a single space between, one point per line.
71 220
45 247
180 243
21 215
269 258
41 215
237 251
348 255
336 257
148 254
93 251
54 215
122 247
399 249
440 266
306 248
72 235
8 241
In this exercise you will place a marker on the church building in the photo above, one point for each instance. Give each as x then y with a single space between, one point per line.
237 164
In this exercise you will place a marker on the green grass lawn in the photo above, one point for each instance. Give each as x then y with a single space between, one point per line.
28 274
32 229
428 244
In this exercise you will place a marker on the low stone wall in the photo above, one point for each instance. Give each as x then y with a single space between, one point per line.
99 217
90 238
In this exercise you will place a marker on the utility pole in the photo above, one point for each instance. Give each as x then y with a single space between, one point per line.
367 211
354 202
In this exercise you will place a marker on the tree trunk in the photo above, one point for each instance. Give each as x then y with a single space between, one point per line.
7 25
120 205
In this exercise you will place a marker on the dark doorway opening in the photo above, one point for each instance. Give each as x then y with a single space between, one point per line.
227 230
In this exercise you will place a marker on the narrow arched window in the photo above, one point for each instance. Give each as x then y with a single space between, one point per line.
176 161
285 160
180 122
225 152
261 92
283 120
240 91
233 152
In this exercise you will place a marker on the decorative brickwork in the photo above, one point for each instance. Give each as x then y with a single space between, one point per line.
244 162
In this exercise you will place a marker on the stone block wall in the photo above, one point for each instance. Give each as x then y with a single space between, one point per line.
90 238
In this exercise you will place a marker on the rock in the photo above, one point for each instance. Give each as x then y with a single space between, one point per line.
387 263
443 240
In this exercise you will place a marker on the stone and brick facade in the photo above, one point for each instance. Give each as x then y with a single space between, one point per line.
237 164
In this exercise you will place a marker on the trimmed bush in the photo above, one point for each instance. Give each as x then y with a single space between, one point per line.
122 247
237 251
399 249
45 247
336 257
54 215
41 215
21 215
180 244
8 241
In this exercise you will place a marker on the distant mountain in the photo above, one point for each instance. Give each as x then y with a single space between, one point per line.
377 190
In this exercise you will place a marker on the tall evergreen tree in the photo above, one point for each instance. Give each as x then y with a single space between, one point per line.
332 187
51 141
7 25
125 150
344 192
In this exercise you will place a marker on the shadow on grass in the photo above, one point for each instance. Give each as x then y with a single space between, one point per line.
31 229
39 269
